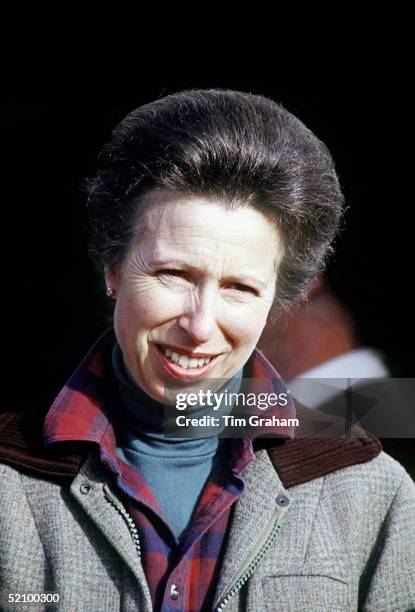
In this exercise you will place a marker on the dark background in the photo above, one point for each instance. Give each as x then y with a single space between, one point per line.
51 132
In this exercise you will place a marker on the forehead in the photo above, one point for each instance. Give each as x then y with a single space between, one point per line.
180 226
205 235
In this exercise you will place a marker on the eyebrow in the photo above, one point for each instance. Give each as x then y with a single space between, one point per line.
173 263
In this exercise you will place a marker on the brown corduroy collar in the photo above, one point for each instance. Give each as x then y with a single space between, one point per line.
318 448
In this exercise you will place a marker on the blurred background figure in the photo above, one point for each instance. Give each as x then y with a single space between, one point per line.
318 339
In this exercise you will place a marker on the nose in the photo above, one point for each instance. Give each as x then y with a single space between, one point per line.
199 319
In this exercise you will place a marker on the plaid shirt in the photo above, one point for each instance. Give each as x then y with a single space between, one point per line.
180 578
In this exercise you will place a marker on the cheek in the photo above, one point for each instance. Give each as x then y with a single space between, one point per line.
251 315
143 311
246 328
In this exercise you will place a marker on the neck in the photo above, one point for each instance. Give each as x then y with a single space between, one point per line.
141 415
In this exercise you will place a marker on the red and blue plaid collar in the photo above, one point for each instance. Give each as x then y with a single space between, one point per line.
82 409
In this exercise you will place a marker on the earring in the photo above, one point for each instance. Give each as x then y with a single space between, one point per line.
110 292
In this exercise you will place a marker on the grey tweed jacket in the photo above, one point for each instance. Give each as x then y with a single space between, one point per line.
344 541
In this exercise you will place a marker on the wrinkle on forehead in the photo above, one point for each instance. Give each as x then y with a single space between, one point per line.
157 201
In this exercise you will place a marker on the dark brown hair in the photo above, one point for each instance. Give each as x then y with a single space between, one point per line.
229 146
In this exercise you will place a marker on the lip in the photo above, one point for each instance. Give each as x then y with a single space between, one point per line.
173 369
181 351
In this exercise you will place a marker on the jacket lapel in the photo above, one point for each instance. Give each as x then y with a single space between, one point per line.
88 489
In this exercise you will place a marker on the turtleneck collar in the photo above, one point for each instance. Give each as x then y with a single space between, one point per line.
142 415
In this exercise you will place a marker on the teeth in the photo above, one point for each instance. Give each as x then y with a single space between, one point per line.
184 361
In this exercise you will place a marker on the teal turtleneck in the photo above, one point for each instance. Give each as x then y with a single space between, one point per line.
176 469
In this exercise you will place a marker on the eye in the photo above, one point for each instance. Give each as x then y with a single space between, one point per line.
171 272
244 288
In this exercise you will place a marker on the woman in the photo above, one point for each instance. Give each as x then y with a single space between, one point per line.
209 211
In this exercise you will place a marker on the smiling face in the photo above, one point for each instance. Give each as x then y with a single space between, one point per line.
194 291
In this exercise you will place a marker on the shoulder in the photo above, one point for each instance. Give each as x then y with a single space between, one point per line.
381 477
364 503
15 480
374 484
368 487
15 500
10 477
382 468
20 488
365 495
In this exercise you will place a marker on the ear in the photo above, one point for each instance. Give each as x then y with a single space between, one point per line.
111 277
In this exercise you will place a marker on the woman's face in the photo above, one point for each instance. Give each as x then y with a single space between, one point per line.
194 291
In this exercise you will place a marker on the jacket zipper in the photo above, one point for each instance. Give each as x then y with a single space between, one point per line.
252 565
126 516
